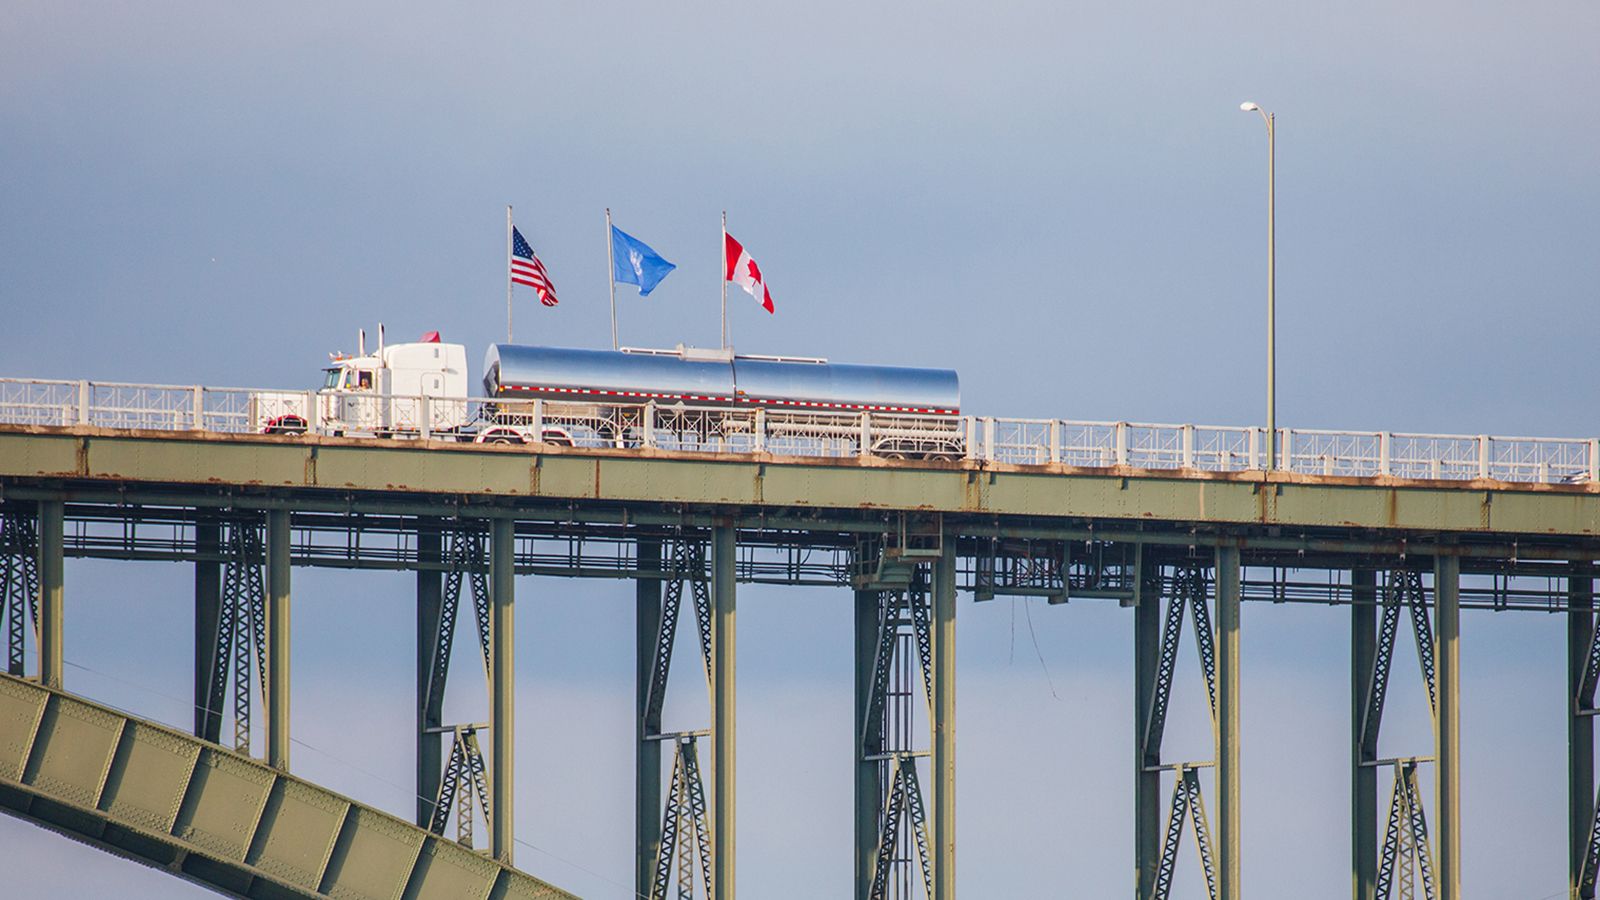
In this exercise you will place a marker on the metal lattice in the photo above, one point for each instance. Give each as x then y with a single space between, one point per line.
1188 589
1186 801
241 631
1591 672
1403 588
1591 857
465 779
465 562
19 584
896 840
896 611
685 826
1406 851
685 829
890 737
687 566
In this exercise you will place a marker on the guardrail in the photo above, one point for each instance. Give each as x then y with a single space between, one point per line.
799 433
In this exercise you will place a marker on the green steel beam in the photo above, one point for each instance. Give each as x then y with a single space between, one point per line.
1363 778
1447 724
724 698
1580 727
277 688
1326 541
51 597
502 683
647 750
943 769
1147 807
1228 810
343 466
231 823
869 786
207 615
430 706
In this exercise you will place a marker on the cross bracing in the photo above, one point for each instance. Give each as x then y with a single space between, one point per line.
896 710
680 846
238 667
1407 855
19 584
684 858
464 788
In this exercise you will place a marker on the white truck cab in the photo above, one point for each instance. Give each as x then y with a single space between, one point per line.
402 389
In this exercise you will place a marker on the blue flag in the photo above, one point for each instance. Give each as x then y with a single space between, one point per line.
633 262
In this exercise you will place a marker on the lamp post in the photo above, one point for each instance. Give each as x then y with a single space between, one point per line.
1272 284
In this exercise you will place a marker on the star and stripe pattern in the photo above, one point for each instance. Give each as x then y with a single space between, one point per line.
527 269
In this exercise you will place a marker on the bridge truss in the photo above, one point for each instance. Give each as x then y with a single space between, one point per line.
906 567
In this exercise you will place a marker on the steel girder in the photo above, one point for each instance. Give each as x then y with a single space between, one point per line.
1584 701
1406 846
886 738
241 638
903 828
19 583
1406 850
201 812
1188 587
1186 798
685 825
1402 588
896 611
467 563
465 779
687 566
685 829
1582 712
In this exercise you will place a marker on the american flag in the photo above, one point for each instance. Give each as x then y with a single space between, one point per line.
527 269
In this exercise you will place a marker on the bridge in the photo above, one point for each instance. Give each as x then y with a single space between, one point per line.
1177 524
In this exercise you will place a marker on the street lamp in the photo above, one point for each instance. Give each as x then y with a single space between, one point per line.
1272 284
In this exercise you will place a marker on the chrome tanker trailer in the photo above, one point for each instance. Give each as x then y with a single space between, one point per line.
714 395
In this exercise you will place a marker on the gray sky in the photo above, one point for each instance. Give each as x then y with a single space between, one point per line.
1061 201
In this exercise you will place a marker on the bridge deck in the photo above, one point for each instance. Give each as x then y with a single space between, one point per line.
217 818
344 467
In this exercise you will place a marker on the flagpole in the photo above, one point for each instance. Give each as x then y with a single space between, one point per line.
508 273
724 279
611 277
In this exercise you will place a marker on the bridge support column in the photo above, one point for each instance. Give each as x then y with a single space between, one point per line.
724 546
1580 723
943 639
502 683
430 709
1146 780
207 619
869 786
52 571
278 639
1228 849
647 751
1447 724
1363 777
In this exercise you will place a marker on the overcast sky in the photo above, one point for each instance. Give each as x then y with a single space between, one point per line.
1061 201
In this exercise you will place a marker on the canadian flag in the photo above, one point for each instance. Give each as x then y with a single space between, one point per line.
743 271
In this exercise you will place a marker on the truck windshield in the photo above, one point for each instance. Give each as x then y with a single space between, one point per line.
332 378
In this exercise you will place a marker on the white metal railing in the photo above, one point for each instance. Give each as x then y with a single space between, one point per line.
798 433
